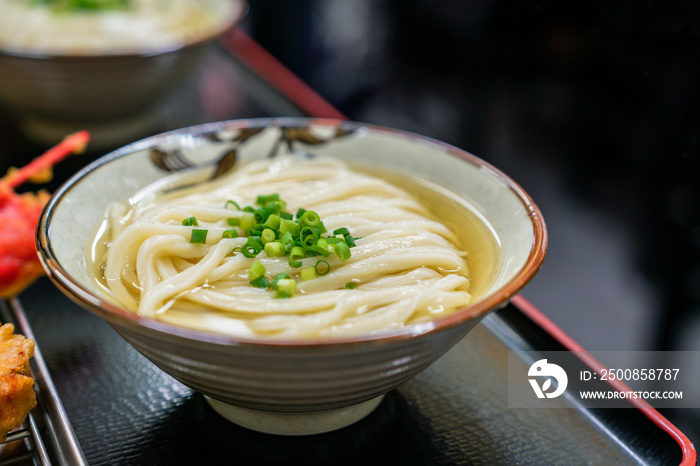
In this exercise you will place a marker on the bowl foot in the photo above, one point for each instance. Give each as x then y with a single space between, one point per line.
271 422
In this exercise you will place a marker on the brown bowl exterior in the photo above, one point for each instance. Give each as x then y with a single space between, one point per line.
112 95
85 88
293 378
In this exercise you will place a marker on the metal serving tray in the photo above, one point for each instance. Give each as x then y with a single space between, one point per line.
46 437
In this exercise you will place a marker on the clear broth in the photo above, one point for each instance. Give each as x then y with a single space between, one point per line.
474 233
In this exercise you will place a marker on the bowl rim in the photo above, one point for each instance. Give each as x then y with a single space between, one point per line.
238 12
115 314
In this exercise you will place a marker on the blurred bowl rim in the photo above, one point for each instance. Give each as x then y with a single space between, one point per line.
238 12
115 314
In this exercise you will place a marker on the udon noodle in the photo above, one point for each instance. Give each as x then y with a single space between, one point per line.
407 266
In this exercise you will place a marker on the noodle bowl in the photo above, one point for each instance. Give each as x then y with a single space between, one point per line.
249 365
31 27
105 70
406 267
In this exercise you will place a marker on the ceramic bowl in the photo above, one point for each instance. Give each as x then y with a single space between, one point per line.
292 386
113 93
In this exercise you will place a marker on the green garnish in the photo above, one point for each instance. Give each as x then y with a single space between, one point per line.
267 235
274 249
286 288
199 236
308 273
256 270
342 250
351 286
269 228
253 247
278 277
247 220
260 282
85 5
232 203
295 255
322 267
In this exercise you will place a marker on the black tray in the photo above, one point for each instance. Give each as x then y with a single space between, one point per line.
126 411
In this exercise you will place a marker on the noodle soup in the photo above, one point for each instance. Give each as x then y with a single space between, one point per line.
451 239
140 25
418 252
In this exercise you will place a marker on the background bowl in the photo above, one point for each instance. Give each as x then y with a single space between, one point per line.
109 93
293 386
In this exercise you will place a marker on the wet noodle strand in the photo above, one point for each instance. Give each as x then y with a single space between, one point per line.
404 267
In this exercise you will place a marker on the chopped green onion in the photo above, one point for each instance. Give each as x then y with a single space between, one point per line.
267 236
253 247
190 222
286 288
351 286
85 5
260 216
308 273
278 277
233 203
291 226
350 241
198 236
309 236
262 200
273 222
325 247
310 218
316 250
295 255
274 207
255 230
270 228
288 241
256 270
322 267
342 250
274 249
247 220
260 282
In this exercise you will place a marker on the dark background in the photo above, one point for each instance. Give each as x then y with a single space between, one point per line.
593 107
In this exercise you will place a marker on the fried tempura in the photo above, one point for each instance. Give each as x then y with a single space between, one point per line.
17 395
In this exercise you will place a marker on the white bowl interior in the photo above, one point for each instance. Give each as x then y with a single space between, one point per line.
82 202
